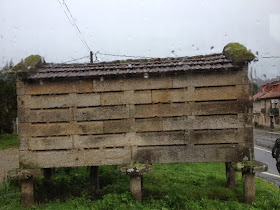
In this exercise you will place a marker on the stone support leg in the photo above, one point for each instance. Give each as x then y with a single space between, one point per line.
94 178
136 186
249 187
48 172
230 176
27 193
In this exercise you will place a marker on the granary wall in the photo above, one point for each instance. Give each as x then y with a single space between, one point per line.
186 117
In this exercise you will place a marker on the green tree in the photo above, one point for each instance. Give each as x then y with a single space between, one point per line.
8 99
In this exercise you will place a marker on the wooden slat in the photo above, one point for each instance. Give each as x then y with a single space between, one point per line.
118 98
183 154
101 113
56 129
51 143
162 110
129 84
53 115
118 126
218 107
49 87
215 93
220 136
130 139
170 95
116 156
235 77
73 158
202 122
152 124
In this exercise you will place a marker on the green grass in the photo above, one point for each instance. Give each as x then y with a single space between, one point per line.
8 141
168 186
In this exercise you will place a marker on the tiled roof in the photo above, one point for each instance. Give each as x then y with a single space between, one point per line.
128 67
268 91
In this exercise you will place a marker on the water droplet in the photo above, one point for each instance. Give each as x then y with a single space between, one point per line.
101 79
225 35
197 48
212 47
257 53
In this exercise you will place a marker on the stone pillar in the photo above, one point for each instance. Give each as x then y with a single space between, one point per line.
27 193
249 187
47 174
230 176
136 186
94 178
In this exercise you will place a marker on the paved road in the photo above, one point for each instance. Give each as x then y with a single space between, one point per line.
264 141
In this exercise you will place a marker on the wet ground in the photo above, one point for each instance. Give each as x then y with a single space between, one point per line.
264 141
8 160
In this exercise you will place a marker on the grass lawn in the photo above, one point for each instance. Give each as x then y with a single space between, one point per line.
8 140
168 186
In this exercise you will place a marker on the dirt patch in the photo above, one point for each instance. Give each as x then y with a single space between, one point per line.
9 159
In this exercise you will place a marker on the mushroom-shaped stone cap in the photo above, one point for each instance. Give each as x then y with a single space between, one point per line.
250 166
135 169
28 63
238 53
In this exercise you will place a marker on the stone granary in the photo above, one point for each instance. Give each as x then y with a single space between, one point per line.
137 112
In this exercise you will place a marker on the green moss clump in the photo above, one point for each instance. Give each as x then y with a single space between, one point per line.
29 63
238 53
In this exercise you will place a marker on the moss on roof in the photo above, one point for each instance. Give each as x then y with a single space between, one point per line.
238 53
29 63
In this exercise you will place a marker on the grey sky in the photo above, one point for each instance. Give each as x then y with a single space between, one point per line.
151 28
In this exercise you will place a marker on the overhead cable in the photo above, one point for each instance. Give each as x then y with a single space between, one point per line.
73 23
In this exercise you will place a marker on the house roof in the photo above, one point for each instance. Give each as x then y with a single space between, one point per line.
268 91
213 62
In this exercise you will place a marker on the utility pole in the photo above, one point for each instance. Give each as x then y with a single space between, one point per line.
91 57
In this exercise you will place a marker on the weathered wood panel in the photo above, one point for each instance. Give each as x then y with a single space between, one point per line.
58 101
162 110
47 87
218 107
51 143
130 139
182 154
118 98
215 93
52 115
58 129
170 95
73 158
205 137
211 79
101 113
117 156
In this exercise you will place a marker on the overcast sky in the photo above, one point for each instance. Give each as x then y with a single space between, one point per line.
152 28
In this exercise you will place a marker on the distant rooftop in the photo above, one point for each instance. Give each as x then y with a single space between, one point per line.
268 91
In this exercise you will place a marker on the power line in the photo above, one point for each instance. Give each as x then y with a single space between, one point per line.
73 23
116 55
76 59
270 56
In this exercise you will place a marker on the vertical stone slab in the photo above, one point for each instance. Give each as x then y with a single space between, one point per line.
94 178
249 187
47 174
230 176
27 193
136 186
